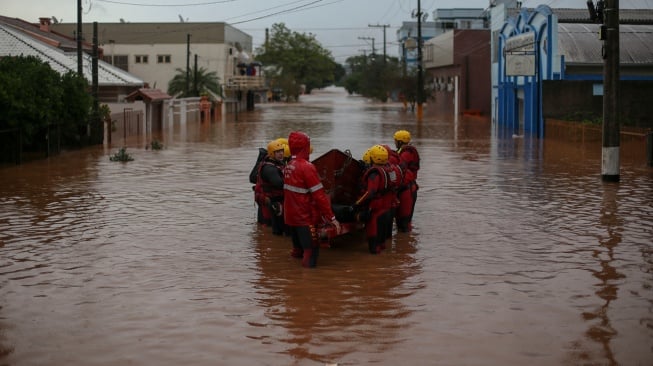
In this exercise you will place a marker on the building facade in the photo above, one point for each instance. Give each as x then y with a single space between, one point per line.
458 73
549 64
155 51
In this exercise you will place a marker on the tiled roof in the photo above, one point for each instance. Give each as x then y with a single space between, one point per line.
149 95
16 43
61 41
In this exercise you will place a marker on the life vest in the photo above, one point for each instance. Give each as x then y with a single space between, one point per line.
409 162
265 187
374 199
395 176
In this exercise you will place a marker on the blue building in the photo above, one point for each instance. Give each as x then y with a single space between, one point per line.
547 63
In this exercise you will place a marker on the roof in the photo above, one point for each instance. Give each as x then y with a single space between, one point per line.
53 38
17 43
580 44
148 95
626 16
160 33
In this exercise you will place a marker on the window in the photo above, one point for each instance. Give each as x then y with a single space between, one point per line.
141 59
121 61
163 59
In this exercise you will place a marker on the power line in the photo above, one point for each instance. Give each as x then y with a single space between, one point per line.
277 13
165 5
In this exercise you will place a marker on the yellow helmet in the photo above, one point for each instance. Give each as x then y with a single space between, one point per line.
376 154
275 145
366 157
286 148
403 136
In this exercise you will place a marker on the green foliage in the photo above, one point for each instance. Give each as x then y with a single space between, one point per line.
200 82
33 97
156 145
121 155
585 117
300 60
374 77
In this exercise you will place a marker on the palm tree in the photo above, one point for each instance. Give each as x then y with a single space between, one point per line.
201 82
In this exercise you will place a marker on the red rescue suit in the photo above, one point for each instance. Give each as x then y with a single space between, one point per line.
306 204
375 201
409 163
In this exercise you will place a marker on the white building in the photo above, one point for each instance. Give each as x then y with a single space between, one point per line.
154 51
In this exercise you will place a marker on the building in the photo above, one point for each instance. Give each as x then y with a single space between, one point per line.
547 63
156 51
18 37
457 72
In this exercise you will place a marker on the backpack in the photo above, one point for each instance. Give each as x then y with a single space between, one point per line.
253 175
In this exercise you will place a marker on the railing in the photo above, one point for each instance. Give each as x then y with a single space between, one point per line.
245 82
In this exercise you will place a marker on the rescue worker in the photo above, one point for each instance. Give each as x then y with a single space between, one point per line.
306 204
269 186
263 215
374 200
395 181
409 163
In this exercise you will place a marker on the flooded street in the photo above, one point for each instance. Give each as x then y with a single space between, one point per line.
520 254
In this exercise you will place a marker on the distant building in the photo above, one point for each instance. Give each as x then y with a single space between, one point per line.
457 72
154 51
444 20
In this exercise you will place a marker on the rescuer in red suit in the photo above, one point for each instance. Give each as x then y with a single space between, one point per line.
395 181
409 163
374 200
306 205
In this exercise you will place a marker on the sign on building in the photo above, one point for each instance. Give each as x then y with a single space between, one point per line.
520 55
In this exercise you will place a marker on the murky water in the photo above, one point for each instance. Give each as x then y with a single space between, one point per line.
520 254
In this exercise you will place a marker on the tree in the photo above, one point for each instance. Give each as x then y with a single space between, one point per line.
201 82
34 97
299 60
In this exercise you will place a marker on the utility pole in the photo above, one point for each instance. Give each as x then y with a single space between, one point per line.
384 26
420 76
187 63
80 70
370 38
611 134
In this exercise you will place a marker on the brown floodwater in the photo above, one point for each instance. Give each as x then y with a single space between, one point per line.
520 254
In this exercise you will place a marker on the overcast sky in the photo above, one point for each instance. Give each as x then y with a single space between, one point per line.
337 24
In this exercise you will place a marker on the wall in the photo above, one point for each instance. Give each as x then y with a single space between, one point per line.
574 100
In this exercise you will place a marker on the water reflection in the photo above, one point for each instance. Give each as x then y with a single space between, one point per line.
520 254
352 304
601 330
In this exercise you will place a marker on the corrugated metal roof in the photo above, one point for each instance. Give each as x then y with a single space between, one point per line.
580 43
16 43
626 16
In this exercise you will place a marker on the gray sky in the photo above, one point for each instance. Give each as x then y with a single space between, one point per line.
337 24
